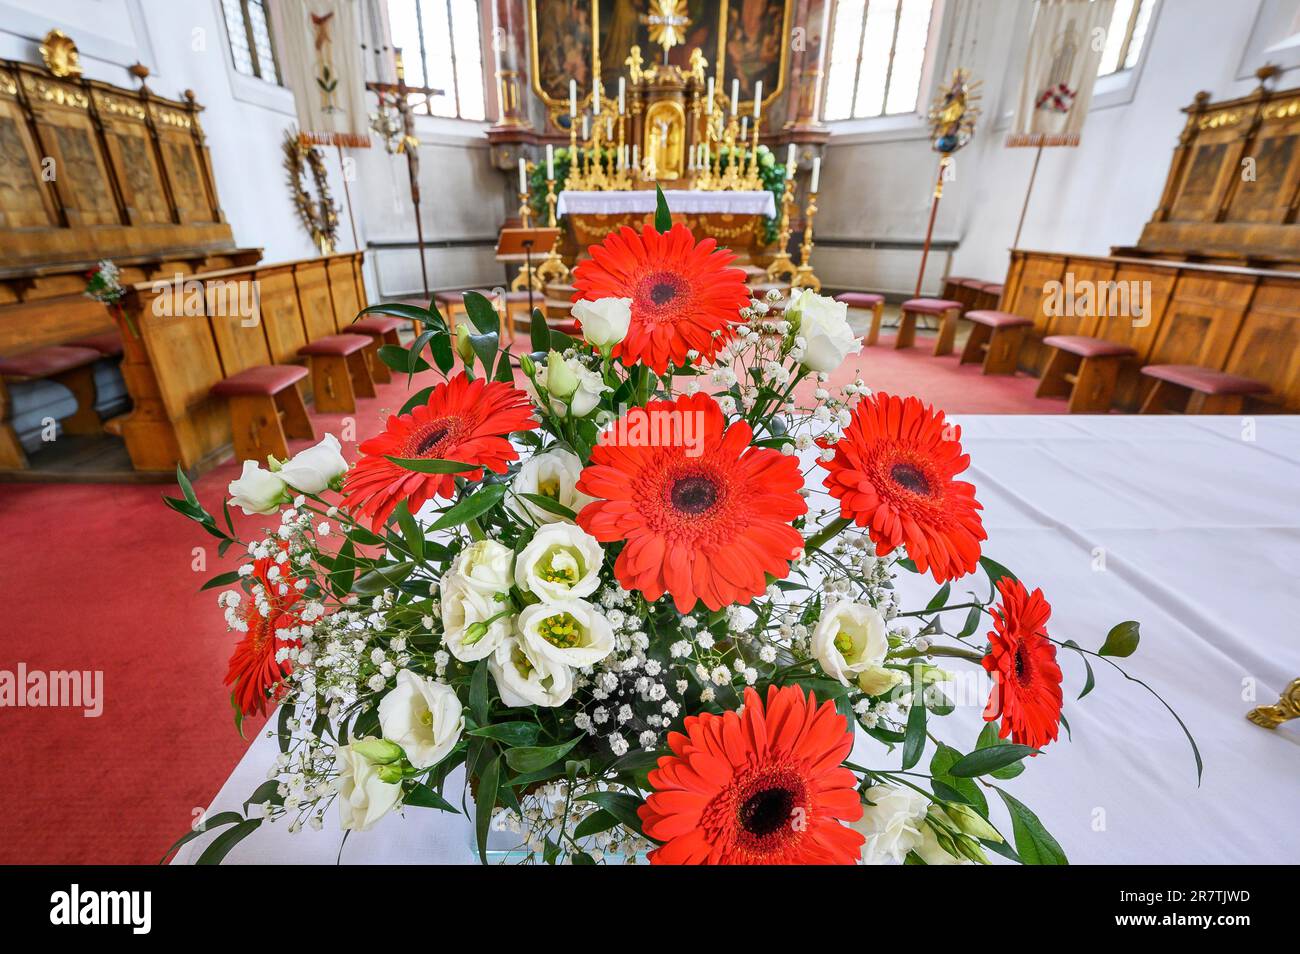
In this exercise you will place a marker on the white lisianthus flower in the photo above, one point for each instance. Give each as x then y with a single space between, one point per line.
474 623
605 321
554 474
257 490
422 716
590 387
364 797
568 386
317 468
849 639
893 824
525 678
485 566
571 633
823 324
877 680
561 563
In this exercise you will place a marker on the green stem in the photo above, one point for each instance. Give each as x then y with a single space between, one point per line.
826 534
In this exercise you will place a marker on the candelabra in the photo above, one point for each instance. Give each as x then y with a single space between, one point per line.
553 269
753 180
804 277
526 276
783 265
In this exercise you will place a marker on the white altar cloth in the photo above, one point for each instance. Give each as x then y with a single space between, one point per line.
1199 531
694 201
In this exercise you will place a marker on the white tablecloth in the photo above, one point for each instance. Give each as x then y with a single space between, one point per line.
1199 529
694 201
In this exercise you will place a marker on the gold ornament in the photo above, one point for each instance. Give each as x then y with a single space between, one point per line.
60 54
1287 708
953 113
667 21
319 216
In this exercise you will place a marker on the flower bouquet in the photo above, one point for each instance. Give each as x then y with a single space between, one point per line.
606 613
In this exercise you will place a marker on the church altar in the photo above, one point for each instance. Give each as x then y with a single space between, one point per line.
684 201
1060 491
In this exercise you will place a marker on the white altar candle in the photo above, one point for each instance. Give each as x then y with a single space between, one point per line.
585 130
744 129
707 158
523 174
708 99
622 93
790 162
550 161
758 100
735 96
816 175
573 99
609 129
595 96
690 159
636 156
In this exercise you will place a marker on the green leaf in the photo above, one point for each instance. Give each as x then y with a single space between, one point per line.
484 803
1122 640
619 804
443 356
663 218
411 531
511 733
415 400
1034 843
966 790
402 310
221 845
598 821
432 465
219 820
382 578
482 314
471 507
401 359
539 332
1090 682
222 579
995 571
535 758
549 505
987 760
422 796
478 692
914 737
268 791
940 599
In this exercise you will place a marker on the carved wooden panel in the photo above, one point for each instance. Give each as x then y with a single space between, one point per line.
343 291
24 200
236 320
181 350
315 301
1202 319
1084 290
1268 345
1025 297
81 176
280 316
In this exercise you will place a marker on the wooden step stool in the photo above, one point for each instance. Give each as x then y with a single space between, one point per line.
339 371
945 309
1212 392
868 302
1084 369
996 338
258 397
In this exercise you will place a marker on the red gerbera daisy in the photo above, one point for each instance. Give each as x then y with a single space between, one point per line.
1022 660
893 473
682 292
705 515
464 421
255 673
765 787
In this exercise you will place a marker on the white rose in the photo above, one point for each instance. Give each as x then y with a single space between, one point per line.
485 566
893 824
561 563
313 470
824 325
524 678
473 623
590 387
423 717
554 474
364 797
571 633
849 639
257 490
567 385
605 321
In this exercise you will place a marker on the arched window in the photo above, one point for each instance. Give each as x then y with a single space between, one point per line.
250 39
1125 35
440 45
877 54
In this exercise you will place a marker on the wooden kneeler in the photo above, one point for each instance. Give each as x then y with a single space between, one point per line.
1083 369
946 310
339 371
1199 390
258 397
995 338
868 302
382 330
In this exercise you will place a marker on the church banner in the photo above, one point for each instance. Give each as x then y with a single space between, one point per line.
1065 47
320 59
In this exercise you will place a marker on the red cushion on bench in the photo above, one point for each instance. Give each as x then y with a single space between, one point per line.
1205 380
337 345
1086 347
993 288
457 297
47 362
264 379
860 299
107 343
931 306
997 319
377 324
974 283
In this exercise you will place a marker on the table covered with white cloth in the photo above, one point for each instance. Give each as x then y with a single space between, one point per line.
1190 525
686 201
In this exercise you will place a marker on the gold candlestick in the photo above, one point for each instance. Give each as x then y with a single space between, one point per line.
575 161
553 269
783 264
754 181
804 277
525 276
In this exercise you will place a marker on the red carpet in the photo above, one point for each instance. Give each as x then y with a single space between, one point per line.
100 577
